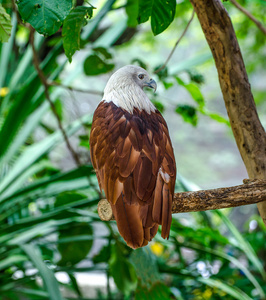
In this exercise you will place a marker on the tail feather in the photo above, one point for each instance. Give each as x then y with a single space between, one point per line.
129 222
134 222
138 222
166 211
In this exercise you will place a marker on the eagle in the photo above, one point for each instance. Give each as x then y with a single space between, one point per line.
133 157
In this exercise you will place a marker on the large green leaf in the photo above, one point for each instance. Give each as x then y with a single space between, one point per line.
47 187
194 91
5 56
94 65
36 151
148 273
12 260
122 270
161 12
45 16
149 279
189 113
5 25
72 27
132 9
158 291
47 275
73 252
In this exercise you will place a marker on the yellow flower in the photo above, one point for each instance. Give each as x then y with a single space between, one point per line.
157 248
4 91
207 294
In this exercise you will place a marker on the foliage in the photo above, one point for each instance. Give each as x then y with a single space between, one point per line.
45 16
162 14
72 27
5 25
48 213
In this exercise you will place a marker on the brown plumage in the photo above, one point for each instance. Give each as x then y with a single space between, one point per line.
132 154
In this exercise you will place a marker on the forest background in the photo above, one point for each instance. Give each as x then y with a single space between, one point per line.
52 243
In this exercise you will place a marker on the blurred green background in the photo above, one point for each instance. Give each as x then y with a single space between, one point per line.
52 243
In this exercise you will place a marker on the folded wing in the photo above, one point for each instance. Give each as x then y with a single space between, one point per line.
135 166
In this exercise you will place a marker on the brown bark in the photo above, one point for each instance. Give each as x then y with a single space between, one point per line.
248 132
249 193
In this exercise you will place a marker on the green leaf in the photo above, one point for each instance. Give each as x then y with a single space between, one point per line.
140 63
158 291
215 116
149 280
59 108
161 12
12 260
102 256
51 186
36 151
242 243
45 16
231 259
72 27
194 91
148 273
230 290
47 275
104 53
94 65
122 270
75 251
189 113
132 9
5 25
158 105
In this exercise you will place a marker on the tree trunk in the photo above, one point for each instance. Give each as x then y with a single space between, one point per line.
249 134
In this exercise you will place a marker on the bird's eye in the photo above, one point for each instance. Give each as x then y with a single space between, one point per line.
141 76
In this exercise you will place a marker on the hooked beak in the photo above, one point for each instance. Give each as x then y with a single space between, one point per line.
152 84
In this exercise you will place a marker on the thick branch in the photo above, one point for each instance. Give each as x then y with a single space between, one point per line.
247 129
249 193
249 15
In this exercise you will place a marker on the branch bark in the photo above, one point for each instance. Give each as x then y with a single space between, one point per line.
249 134
249 193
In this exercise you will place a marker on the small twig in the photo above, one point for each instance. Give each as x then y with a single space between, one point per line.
249 15
47 95
252 191
176 44
71 88
14 7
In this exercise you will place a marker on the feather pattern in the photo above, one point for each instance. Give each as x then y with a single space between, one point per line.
135 166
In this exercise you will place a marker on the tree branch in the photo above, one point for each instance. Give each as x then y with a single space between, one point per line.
249 15
45 84
176 44
248 193
71 88
249 133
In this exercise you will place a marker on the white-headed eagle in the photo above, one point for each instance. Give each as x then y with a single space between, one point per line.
133 157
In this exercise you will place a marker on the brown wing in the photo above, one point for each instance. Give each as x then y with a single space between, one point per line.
135 166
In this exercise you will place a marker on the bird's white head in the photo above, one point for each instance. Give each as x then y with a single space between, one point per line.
125 89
